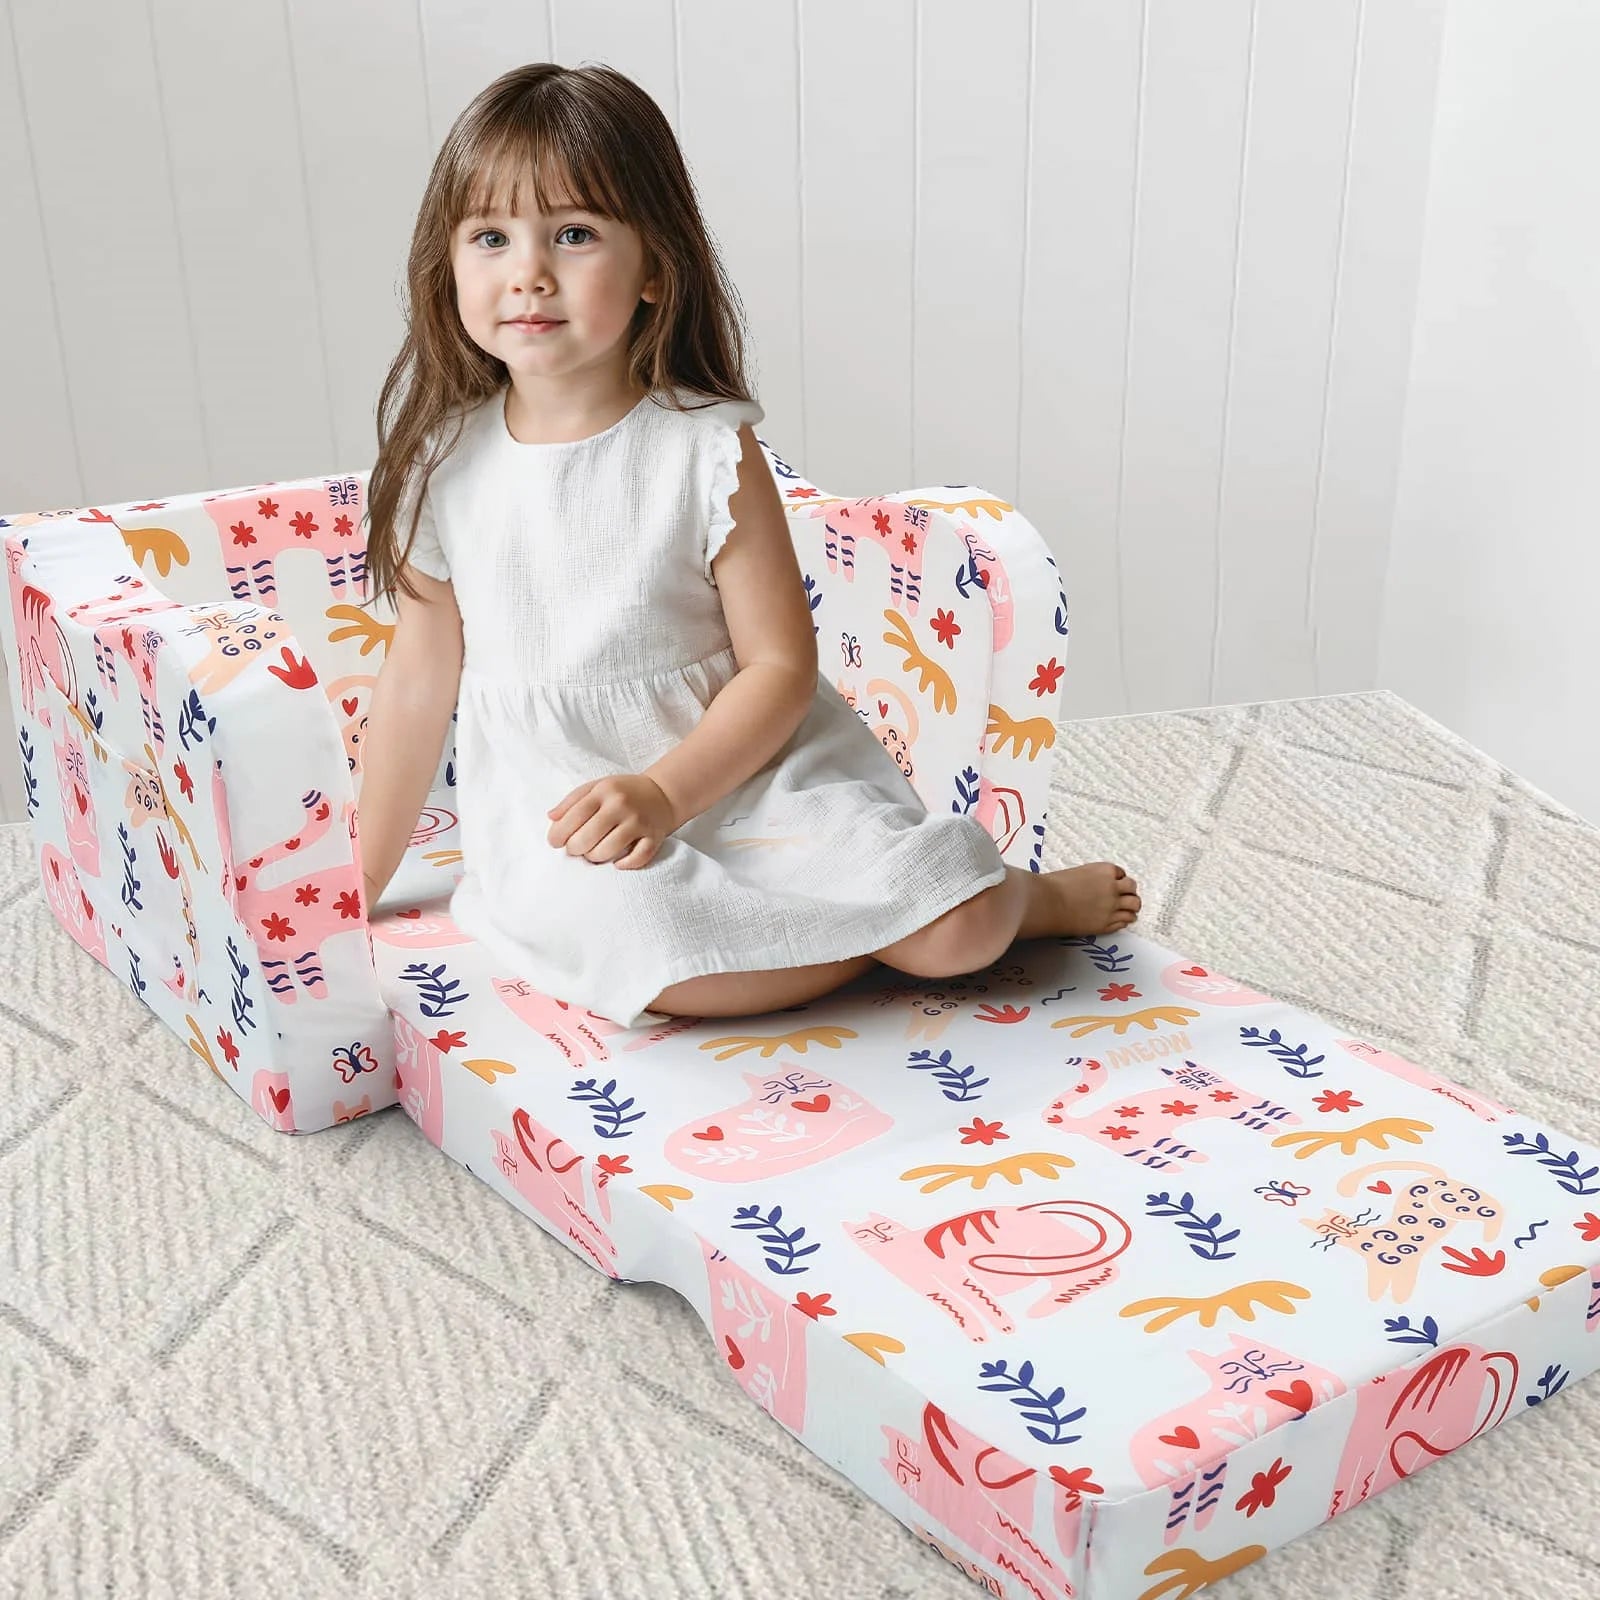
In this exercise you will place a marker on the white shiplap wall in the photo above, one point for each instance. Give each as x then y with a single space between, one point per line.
1148 269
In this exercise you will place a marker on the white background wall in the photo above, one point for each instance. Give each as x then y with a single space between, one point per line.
1147 267
1492 621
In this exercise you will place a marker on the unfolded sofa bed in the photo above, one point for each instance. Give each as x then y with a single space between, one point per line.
1099 1270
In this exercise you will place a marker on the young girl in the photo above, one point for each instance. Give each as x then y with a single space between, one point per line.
592 558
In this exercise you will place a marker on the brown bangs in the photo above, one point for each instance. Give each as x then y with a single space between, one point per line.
564 175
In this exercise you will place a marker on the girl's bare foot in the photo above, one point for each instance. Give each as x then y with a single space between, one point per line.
1097 898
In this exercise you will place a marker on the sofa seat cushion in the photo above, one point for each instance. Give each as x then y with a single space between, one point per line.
1100 1271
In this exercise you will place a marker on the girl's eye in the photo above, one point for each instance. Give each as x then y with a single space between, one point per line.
571 227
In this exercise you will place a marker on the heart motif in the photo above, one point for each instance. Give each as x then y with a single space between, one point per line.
883 708
349 707
1195 972
55 871
291 844
1185 1437
82 799
735 1354
821 1103
1298 1395
238 880
712 1134
280 1099
413 914
1380 1187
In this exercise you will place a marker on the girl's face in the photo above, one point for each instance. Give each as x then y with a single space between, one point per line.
572 265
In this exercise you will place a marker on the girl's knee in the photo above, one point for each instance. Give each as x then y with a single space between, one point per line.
966 938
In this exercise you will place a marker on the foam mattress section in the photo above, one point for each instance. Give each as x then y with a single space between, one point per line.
1101 1272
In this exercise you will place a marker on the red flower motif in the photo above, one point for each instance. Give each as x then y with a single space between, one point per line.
185 782
946 626
1130 1111
1263 1487
814 1305
1223 1094
278 927
343 527
297 674
803 494
1046 676
308 894
1337 1100
1006 1013
242 534
304 524
266 508
228 1048
1117 1132
908 541
447 1041
1118 991
348 904
1589 1228
1477 1265
880 520
1177 1108
1077 1483
982 1132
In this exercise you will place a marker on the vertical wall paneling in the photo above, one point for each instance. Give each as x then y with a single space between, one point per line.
859 82
243 240
358 95
1084 175
40 466
1396 79
105 205
1285 279
972 68
1185 249
738 128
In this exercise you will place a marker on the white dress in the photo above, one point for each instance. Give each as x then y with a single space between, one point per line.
594 641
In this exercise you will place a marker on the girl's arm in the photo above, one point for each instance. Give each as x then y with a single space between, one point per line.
764 603
406 725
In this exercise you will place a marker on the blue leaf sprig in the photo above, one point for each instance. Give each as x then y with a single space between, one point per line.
1204 1239
1400 1331
1550 1383
783 1258
1292 1057
610 1120
437 995
1564 1167
957 1083
1047 1406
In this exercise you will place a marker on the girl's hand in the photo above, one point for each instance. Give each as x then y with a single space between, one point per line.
621 818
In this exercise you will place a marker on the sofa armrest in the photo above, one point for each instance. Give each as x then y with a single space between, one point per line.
941 620
193 811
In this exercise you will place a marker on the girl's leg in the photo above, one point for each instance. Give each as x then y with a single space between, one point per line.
741 994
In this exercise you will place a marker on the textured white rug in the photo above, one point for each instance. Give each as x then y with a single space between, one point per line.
238 1363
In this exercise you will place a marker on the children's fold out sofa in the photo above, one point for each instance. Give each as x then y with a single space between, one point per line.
1101 1271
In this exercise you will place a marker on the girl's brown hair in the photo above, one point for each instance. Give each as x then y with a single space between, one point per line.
590 137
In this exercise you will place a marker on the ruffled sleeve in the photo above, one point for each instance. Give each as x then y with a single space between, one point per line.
427 554
723 422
